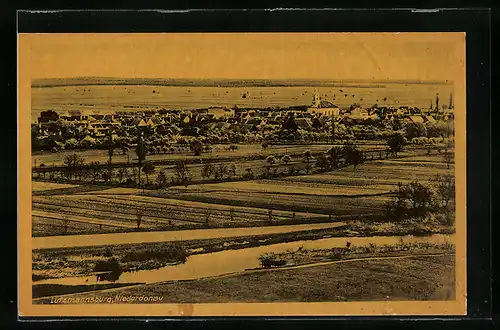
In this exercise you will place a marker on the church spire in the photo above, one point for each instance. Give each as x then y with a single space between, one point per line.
316 99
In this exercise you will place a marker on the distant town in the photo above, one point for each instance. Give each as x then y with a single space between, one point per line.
322 121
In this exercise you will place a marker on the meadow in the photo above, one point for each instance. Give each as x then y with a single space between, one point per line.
218 151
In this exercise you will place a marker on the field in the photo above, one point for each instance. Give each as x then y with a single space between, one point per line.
219 150
104 99
346 191
332 196
43 186
91 213
415 278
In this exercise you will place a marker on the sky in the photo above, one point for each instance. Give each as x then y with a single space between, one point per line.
378 56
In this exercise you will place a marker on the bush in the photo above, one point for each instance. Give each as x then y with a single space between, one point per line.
172 252
111 266
268 260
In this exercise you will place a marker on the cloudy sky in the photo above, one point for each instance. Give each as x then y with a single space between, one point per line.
406 56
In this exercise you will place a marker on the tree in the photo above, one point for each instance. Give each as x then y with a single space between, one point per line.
398 206
207 171
322 162
231 171
355 157
415 130
140 150
181 172
270 216
396 143
48 116
413 199
110 145
148 169
161 179
286 159
65 223
122 173
138 214
445 188
271 160
307 155
448 158
107 174
334 153
208 213
196 146
249 173
73 162
95 170
219 171
419 196
132 175
72 143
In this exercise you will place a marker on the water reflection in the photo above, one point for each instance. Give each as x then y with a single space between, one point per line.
230 261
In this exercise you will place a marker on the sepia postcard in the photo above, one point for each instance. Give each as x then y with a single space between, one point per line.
242 174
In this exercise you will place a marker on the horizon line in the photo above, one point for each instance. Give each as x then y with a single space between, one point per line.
334 80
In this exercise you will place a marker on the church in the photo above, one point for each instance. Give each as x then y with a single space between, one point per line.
323 107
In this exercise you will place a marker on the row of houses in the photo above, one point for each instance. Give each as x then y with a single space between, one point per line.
318 115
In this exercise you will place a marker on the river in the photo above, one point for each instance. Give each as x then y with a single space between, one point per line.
231 261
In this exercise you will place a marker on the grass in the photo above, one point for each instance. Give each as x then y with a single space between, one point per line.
42 186
289 187
47 290
329 205
308 256
416 278
405 227
55 263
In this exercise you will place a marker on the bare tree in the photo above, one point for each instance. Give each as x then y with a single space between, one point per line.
448 158
65 223
208 213
139 214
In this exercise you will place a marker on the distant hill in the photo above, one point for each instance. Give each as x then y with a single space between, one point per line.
86 81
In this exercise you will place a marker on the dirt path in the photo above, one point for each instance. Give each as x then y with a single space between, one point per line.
51 242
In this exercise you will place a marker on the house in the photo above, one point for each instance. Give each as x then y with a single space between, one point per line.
323 107
359 113
255 121
217 113
414 119
293 123
249 128
429 119
75 115
140 122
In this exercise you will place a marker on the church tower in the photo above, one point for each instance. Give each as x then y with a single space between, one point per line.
316 100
